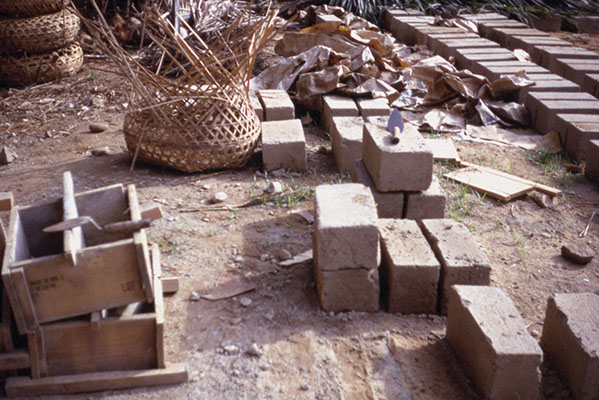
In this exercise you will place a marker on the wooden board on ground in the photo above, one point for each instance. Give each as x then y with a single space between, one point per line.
494 185
94 382
443 150
6 201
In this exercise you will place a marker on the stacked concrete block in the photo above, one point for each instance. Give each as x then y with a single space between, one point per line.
427 204
502 35
545 106
468 58
591 84
495 69
283 145
388 204
591 170
576 130
277 105
447 47
528 43
489 337
410 272
402 26
373 107
463 261
546 56
570 340
485 26
257 105
346 141
346 248
337 106
575 69
547 83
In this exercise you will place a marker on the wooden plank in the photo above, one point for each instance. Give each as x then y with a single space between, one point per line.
93 382
19 282
14 360
72 238
158 306
141 245
170 284
497 186
34 355
7 327
129 309
443 150
551 191
6 201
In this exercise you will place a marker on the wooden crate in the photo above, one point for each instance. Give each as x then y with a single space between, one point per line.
55 276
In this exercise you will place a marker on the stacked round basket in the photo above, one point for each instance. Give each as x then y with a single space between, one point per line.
38 41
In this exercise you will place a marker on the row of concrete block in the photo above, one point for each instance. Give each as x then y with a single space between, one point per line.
555 103
490 338
357 255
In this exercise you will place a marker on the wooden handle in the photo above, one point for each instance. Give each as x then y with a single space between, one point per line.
395 139
127 226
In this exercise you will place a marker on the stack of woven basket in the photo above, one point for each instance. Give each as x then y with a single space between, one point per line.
38 41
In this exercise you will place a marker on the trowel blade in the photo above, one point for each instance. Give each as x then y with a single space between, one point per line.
68 224
395 121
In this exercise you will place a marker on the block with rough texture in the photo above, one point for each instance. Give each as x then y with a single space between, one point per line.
448 47
406 166
570 340
546 56
428 204
463 261
431 38
348 290
283 145
591 170
528 43
563 121
277 105
558 84
545 106
337 106
502 35
586 23
495 69
346 141
474 61
465 57
483 16
409 270
576 70
388 204
489 337
422 32
484 27
257 105
345 229
578 135
591 84
401 26
373 107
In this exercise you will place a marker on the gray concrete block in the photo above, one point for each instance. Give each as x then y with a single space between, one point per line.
283 145
591 170
546 56
388 204
428 204
484 16
591 84
578 136
257 105
502 34
348 290
409 270
422 32
337 106
495 69
448 47
346 141
402 27
576 70
557 85
346 232
463 261
528 43
406 166
570 340
465 57
431 39
489 337
277 105
545 106
563 122
473 61
485 26
373 107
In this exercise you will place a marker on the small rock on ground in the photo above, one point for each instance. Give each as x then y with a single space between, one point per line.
254 350
97 127
274 187
218 197
100 151
578 253
7 155
244 301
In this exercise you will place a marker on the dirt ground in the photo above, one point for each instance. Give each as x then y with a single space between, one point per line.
305 352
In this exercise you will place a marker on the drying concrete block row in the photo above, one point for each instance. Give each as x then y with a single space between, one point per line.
373 107
495 69
410 272
284 145
463 261
576 69
570 340
576 130
503 34
346 141
346 248
388 204
337 106
484 26
427 204
545 106
547 83
257 105
277 105
468 58
547 56
591 170
528 43
489 337
591 84
448 47
406 166
401 26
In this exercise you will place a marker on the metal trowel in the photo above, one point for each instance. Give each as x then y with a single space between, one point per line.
115 227
395 125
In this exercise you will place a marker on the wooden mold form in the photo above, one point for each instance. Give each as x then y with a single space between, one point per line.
54 276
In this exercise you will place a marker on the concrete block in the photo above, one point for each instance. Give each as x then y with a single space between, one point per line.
388 204
283 145
576 70
547 23
463 261
485 26
591 170
502 35
346 141
478 17
489 337
464 57
337 106
563 122
346 233
348 290
447 47
432 38
402 27
559 84
570 340
277 105
528 43
373 107
578 136
409 270
591 84
587 23
544 107
406 166
421 32
546 56
428 204
495 69
257 105
473 61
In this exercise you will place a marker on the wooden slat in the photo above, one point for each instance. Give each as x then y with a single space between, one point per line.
14 360
19 282
141 245
93 382
72 238
7 327
158 306
496 186
6 201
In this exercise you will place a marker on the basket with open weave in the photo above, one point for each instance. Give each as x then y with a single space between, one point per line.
31 7
192 112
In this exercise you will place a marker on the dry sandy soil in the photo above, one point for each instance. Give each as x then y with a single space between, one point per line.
306 353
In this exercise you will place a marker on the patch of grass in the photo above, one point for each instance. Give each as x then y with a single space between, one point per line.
294 198
462 206
550 163
519 241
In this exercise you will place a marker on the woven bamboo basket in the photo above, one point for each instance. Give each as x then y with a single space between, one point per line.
38 34
31 7
199 134
39 68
